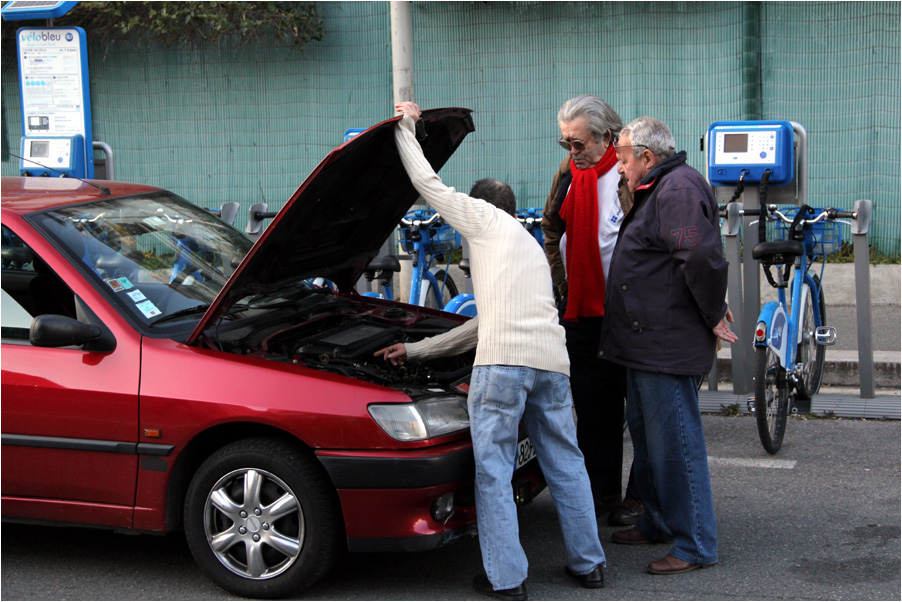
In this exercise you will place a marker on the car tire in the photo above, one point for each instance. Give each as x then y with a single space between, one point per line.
262 519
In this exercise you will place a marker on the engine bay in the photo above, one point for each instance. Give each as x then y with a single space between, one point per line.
339 334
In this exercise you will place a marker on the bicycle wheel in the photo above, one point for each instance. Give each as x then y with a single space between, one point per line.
771 399
809 354
448 291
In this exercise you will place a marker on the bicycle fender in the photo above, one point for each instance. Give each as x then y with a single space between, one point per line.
463 304
775 326
427 283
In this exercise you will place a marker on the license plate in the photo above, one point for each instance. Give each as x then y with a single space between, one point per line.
525 452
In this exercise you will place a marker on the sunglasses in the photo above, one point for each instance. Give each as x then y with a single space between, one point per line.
578 146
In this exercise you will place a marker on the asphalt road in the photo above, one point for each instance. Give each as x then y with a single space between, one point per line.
819 521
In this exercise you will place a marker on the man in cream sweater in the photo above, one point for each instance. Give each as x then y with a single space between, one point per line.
521 372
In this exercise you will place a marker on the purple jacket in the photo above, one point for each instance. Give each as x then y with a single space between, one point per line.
668 279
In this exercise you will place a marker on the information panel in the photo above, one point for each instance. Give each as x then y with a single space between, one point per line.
53 79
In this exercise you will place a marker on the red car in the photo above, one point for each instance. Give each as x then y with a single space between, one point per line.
161 372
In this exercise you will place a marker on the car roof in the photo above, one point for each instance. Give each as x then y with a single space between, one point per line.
26 195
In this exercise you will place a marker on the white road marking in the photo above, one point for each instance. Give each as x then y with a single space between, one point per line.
752 462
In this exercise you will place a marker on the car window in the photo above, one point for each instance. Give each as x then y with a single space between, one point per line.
30 288
154 255
15 254
16 321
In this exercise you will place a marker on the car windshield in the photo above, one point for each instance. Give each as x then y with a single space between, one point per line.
158 257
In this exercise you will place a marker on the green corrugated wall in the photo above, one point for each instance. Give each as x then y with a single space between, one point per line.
226 123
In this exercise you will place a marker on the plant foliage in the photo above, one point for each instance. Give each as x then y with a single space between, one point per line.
172 23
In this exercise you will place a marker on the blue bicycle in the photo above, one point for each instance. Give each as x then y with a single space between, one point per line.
791 334
531 219
429 240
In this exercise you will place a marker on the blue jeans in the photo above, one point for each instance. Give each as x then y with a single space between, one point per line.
670 461
499 397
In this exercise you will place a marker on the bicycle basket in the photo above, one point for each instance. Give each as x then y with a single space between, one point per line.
442 238
821 238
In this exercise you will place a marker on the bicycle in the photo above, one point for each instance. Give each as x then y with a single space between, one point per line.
791 335
531 219
429 240
438 235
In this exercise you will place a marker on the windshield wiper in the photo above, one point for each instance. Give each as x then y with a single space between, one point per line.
183 312
200 309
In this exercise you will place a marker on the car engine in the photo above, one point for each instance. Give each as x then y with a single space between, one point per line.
340 334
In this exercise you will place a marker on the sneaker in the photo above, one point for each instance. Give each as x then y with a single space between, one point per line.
626 513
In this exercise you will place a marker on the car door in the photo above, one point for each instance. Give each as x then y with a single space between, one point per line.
70 416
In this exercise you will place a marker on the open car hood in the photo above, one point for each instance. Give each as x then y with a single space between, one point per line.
336 221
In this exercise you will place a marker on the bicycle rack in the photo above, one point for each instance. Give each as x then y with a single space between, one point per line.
744 285
744 306
227 212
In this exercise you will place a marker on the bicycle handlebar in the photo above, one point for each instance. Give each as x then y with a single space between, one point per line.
829 213
420 223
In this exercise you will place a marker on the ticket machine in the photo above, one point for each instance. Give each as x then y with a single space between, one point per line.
52 156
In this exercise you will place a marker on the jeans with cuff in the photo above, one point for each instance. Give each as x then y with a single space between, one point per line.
499 397
670 461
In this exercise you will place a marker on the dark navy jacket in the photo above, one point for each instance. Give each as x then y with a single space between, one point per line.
668 280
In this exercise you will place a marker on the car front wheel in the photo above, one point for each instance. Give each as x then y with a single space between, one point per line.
261 519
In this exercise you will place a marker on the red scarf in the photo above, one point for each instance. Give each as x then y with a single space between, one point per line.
585 277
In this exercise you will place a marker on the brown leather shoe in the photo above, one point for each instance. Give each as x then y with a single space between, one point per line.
671 565
631 537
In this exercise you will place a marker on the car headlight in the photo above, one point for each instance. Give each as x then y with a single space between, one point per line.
423 419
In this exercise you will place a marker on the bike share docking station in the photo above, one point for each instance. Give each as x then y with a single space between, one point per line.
54 90
750 163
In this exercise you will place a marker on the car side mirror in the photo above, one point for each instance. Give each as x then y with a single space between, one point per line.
50 330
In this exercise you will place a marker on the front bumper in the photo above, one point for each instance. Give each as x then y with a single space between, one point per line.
387 499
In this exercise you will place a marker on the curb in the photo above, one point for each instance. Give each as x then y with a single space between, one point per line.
840 368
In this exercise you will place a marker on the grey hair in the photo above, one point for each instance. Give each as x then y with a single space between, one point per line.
496 193
652 134
599 115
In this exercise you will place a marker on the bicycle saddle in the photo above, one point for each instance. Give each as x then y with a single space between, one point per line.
787 249
386 263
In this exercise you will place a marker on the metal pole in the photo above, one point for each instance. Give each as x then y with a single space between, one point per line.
402 83
108 151
801 176
739 362
751 292
401 51
860 227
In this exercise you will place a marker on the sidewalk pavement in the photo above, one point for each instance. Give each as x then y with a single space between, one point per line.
840 393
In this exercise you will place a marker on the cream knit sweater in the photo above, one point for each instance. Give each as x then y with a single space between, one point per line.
517 322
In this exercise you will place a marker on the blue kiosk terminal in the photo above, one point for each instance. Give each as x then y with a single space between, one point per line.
55 94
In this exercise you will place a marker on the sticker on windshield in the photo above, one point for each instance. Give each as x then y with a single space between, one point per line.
137 295
120 284
148 309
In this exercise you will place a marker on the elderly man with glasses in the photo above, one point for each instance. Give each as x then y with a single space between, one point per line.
581 219
663 312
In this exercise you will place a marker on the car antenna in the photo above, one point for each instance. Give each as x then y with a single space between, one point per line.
63 174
